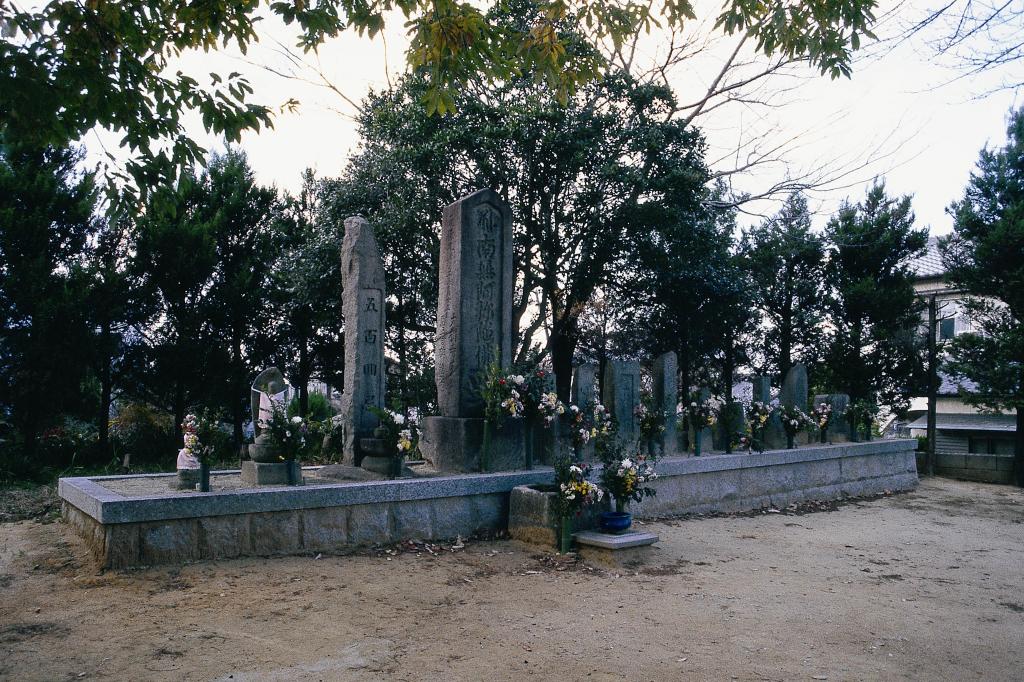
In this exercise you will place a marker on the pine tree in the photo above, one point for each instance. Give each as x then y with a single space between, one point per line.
873 346
985 257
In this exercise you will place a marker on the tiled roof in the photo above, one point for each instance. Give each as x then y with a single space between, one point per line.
968 422
930 263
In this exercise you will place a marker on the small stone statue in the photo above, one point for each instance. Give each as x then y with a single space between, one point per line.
268 389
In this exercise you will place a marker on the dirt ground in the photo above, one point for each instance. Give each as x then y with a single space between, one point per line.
926 585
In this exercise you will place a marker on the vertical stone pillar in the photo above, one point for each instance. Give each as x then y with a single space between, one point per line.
363 298
666 397
474 328
621 395
474 302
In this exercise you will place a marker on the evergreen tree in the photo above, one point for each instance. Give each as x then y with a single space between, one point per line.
786 265
873 347
985 257
46 221
307 341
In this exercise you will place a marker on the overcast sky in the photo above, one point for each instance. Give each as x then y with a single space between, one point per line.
902 115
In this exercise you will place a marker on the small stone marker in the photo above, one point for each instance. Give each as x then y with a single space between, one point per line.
621 395
583 380
362 274
583 395
774 436
666 397
474 303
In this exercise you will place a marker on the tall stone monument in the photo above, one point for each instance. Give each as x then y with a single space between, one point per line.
621 395
666 397
362 303
474 328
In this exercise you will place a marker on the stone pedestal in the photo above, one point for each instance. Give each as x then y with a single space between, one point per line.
262 473
615 551
187 479
454 444
534 518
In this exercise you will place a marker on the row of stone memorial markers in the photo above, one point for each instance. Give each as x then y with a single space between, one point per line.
474 331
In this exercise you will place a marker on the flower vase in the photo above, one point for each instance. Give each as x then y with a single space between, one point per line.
528 429
652 447
294 472
485 447
698 439
565 535
204 477
824 435
396 466
616 521
791 441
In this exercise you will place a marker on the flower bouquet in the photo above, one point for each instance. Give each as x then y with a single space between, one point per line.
626 480
794 420
822 416
575 493
197 453
650 420
759 414
288 437
701 414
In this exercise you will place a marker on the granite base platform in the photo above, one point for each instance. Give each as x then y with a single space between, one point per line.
137 520
620 550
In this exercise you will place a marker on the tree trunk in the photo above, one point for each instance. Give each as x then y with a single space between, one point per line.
304 374
237 390
563 347
106 392
786 328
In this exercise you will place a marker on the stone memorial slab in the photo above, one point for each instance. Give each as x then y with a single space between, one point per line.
583 394
794 387
363 300
474 329
621 396
474 304
774 435
666 397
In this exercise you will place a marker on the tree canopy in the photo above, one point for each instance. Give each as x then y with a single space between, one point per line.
68 67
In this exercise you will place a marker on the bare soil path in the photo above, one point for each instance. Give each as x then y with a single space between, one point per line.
926 586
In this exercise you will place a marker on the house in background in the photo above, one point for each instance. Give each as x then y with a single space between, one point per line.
969 444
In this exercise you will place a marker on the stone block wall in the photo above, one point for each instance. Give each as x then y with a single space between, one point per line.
325 529
124 532
971 467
